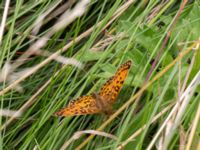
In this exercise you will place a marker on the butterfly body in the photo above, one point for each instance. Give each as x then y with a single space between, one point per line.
98 102
102 103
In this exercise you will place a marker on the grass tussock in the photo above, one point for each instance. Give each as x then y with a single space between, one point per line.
55 51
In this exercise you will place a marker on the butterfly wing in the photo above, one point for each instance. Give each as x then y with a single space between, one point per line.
81 106
110 90
93 104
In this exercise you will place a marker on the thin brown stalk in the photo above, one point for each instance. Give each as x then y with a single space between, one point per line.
102 44
165 40
155 11
194 127
182 140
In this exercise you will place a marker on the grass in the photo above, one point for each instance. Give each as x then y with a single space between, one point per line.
160 38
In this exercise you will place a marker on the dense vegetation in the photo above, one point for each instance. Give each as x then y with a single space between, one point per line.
49 58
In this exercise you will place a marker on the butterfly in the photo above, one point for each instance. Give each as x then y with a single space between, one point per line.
98 102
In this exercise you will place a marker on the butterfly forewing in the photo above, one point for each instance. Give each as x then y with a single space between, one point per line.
110 90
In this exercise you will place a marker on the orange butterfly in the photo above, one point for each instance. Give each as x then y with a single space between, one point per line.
101 102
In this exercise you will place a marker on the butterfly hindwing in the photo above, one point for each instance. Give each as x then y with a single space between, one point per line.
82 106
